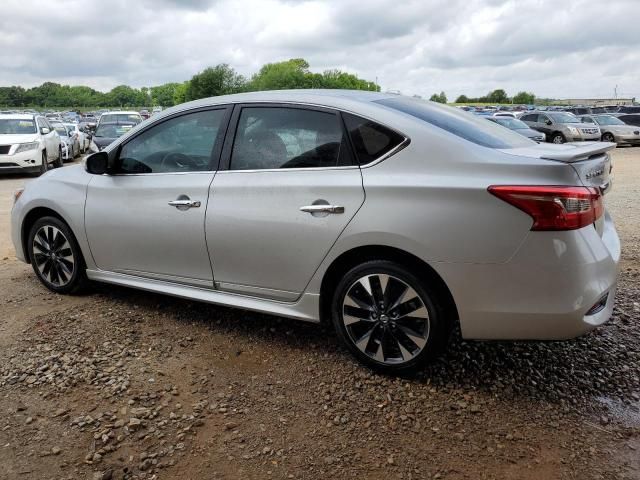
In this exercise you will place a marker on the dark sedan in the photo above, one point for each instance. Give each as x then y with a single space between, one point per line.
107 133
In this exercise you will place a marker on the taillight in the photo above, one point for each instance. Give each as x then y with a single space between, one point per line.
554 208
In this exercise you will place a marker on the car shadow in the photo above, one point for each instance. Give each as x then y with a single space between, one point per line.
573 372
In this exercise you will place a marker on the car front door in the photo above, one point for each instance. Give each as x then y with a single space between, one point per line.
543 124
50 138
289 188
147 219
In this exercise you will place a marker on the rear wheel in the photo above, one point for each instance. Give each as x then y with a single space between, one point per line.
387 317
55 256
608 137
558 138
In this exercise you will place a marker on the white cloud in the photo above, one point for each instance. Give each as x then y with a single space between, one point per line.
573 48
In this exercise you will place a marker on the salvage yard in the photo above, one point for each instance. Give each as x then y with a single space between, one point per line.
120 383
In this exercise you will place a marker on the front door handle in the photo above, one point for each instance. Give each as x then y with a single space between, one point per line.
321 208
184 203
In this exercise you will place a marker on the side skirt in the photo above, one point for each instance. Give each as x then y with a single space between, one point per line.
307 308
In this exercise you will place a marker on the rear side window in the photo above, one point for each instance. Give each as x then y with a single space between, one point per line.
278 137
532 117
458 122
370 140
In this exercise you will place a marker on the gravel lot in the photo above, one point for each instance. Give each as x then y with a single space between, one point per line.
126 384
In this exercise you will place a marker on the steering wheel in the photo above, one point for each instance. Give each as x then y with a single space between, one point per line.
177 160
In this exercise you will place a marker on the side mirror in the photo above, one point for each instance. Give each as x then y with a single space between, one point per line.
549 122
97 163
44 131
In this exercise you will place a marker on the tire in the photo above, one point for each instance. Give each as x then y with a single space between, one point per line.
608 137
56 257
382 336
45 163
558 138
60 160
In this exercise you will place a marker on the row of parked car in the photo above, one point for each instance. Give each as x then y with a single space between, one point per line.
572 125
33 142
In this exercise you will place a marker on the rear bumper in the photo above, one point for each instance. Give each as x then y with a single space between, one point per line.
544 292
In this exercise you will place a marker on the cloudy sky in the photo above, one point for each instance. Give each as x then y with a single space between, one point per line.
555 48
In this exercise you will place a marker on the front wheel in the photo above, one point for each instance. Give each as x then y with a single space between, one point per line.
55 256
558 138
60 161
45 163
608 137
387 317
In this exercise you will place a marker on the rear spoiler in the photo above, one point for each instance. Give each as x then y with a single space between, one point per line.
580 152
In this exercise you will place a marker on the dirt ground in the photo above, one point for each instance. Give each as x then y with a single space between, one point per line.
126 384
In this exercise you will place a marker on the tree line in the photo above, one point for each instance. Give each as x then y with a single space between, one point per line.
221 79
497 96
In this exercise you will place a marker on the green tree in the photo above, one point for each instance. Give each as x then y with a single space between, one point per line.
498 96
525 98
463 99
180 93
439 97
125 96
292 73
214 81
164 95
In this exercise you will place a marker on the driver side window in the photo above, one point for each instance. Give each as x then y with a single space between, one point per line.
180 144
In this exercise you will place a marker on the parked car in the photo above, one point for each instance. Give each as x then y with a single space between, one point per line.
28 144
630 119
614 130
561 127
120 116
393 218
70 145
579 110
80 134
629 109
519 127
106 133
145 114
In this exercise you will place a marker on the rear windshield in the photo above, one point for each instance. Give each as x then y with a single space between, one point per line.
112 130
458 122
16 127
61 129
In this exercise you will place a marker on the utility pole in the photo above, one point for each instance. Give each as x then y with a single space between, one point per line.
615 92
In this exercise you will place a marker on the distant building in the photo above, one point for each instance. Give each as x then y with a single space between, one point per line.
596 101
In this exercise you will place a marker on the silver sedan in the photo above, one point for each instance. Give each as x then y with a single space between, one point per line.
395 219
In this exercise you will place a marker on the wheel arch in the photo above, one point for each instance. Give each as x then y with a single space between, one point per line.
31 218
355 256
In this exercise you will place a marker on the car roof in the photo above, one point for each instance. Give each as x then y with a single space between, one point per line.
18 116
120 112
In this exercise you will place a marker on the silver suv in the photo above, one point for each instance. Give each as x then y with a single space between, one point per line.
561 127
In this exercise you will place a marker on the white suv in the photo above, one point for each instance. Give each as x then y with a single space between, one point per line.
27 144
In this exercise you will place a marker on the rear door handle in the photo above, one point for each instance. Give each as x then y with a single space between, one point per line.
322 209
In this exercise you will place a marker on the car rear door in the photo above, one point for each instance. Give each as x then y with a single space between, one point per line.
289 187
148 218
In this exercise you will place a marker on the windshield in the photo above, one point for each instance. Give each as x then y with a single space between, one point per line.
121 117
61 129
608 120
512 123
458 122
112 130
561 117
15 126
